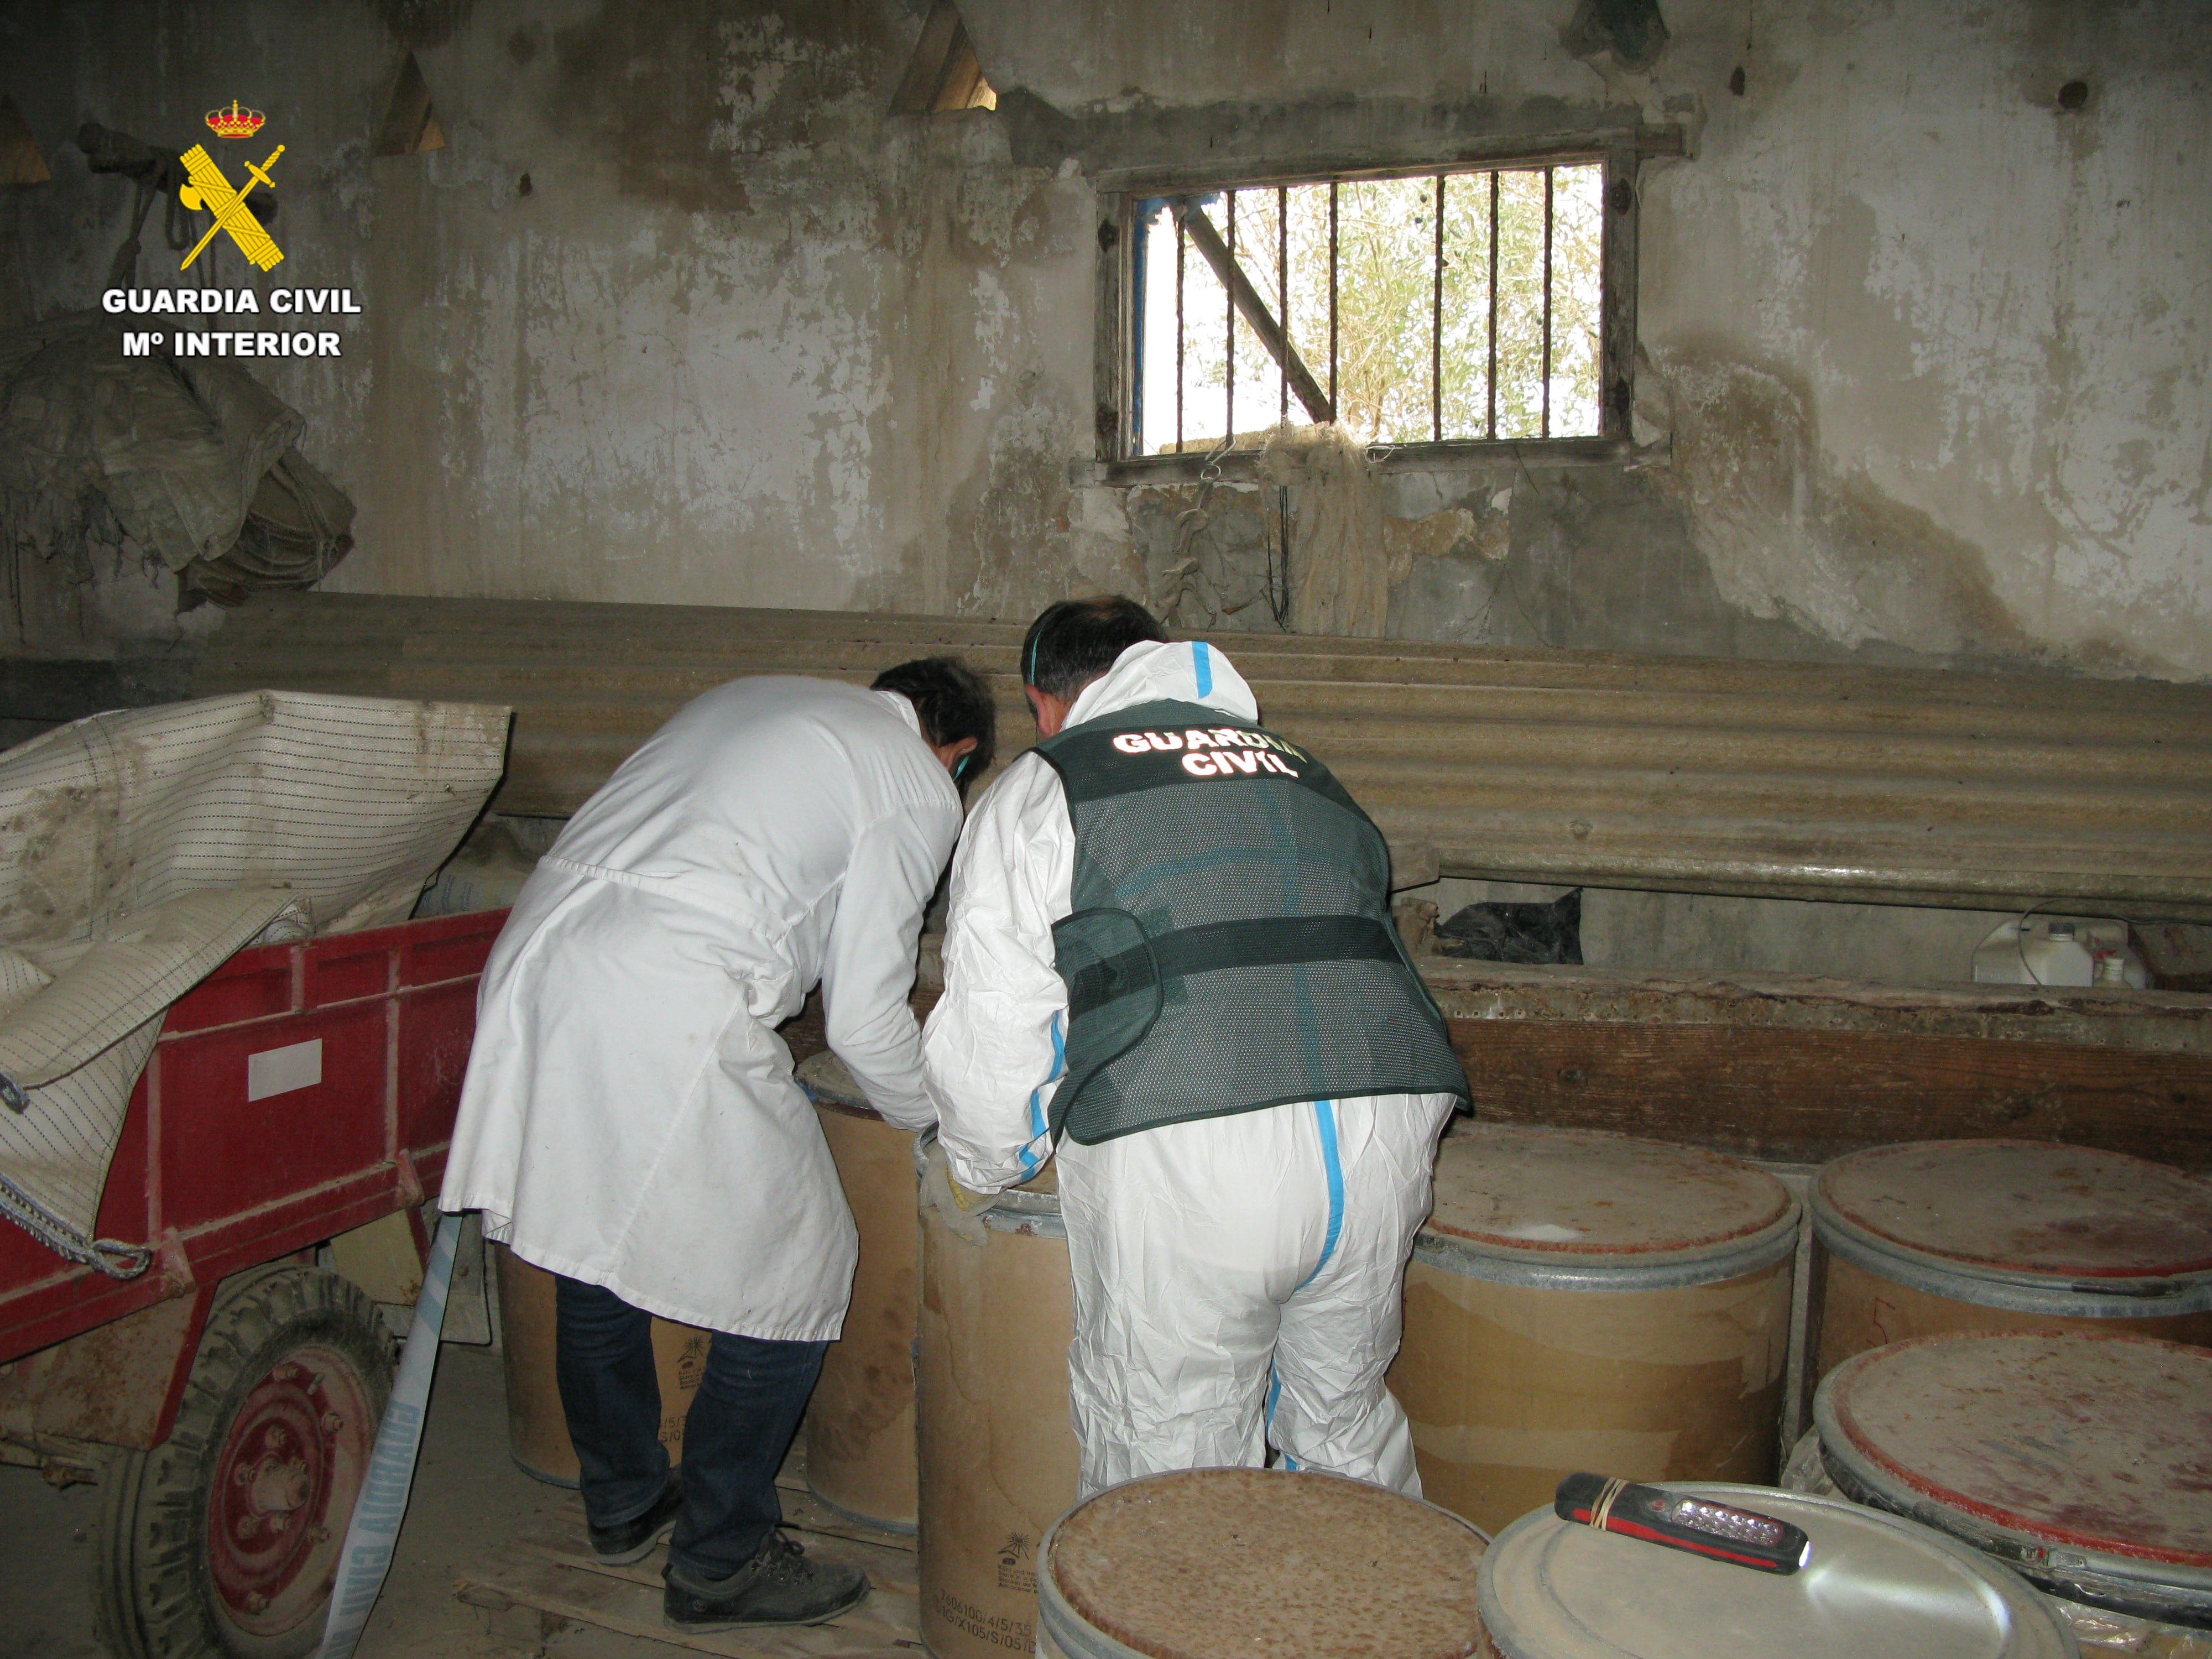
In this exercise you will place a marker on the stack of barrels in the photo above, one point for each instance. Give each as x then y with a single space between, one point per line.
2002 1355
2009 1346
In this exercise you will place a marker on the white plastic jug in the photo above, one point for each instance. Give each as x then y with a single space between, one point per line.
2064 951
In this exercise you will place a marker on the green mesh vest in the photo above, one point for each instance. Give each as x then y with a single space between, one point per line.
1230 946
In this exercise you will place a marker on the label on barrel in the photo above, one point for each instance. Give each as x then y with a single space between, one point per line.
1017 1563
1018 1634
691 1364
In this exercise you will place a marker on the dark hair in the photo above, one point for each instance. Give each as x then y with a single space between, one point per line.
953 703
1074 642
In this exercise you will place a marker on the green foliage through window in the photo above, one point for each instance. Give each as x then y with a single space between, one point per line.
1491 333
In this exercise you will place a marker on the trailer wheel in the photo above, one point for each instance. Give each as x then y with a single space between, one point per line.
223 1540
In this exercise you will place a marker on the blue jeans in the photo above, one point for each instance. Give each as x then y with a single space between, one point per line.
735 1435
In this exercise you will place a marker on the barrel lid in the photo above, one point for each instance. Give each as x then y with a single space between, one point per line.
1875 1584
2022 1210
828 1084
1223 1564
1593 1199
2060 1449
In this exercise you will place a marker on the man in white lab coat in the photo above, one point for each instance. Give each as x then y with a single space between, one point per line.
1169 952
629 1120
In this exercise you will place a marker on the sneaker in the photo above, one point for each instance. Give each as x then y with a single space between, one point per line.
633 1539
778 1586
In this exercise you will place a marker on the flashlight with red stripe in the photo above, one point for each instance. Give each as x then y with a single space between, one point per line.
1719 1532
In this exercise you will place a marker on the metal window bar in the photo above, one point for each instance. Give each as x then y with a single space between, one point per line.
1229 333
1490 428
1332 295
1181 244
1437 326
1283 285
1545 430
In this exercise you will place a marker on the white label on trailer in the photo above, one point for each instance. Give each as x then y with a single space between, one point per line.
280 1071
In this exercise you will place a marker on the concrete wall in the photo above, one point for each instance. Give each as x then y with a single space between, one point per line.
1929 348
740 339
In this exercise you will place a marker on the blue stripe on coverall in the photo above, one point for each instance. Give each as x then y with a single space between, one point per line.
1325 1122
1030 1161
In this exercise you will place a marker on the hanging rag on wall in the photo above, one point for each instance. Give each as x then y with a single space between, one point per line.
1340 574
189 461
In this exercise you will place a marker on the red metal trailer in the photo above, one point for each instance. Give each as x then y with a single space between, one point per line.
228 1397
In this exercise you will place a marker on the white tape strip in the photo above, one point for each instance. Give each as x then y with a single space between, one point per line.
383 1501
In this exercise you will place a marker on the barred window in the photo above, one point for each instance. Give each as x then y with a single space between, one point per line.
1468 305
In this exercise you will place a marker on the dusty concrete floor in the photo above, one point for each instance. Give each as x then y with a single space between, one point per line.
468 1495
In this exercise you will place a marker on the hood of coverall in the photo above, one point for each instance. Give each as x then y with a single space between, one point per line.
1186 670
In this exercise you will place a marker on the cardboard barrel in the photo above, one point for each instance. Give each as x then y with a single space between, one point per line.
2079 1458
1875 1584
860 1426
1226 1563
2005 1235
537 1427
1587 1301
999 1459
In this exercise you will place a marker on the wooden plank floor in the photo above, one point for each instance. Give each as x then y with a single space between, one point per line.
551 1571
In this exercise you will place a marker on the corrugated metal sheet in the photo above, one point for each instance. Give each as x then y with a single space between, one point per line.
1767 779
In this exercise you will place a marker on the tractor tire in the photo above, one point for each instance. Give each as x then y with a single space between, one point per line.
222 1542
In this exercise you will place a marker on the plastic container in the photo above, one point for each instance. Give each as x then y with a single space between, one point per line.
860 1433
1939 1236
2059 951
537 1427
1228 1563
2080 1460
1588 1301
998 1453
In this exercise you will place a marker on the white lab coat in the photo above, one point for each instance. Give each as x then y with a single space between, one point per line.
1237 1279
629 1117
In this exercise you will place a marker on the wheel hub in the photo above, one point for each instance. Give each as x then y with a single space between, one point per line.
275 1489
284 1485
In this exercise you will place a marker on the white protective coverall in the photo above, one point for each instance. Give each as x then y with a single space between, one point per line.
1239 1280
629 1116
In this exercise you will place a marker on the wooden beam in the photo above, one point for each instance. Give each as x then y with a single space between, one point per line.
1804 1097
943 74
2153 1022
1207 241
22 163
926 67
410 125
1800 1070
1422 159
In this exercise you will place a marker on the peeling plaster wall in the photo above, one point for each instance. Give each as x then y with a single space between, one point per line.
1936 345
745 338
1929 350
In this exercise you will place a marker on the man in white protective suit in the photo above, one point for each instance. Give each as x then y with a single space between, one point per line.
629 1120
1169 952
